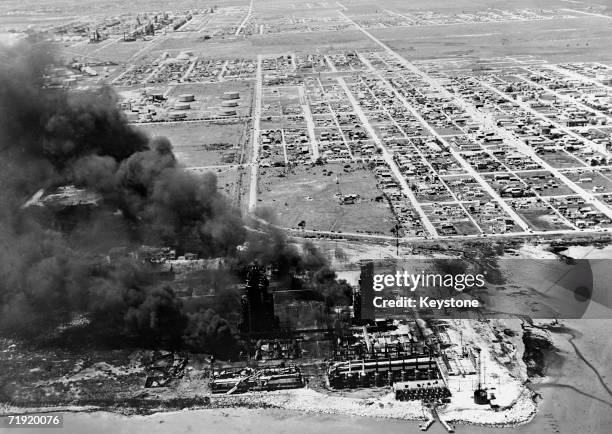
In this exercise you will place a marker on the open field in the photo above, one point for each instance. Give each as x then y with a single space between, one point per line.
203 144
313 196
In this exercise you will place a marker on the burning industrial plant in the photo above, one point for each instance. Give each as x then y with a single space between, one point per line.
57 147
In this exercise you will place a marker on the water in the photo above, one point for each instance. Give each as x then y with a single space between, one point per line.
270 421
273 421
563 411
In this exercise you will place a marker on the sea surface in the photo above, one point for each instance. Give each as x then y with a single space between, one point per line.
555 416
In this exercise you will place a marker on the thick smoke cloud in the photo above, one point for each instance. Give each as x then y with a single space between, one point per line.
50 272
267 245
53 266
206 329
50 138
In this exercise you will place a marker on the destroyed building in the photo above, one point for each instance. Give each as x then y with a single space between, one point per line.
164 367
258 303
248 379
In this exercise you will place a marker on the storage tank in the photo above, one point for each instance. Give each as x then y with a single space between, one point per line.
229 103
232 94
182 106
186 97
177 115
228 112
481 397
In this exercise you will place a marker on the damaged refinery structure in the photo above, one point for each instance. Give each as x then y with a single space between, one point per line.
415 359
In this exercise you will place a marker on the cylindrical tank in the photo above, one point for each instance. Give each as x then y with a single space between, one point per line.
227 112
232 94
229 103
480 397
186 97
182 106
177 115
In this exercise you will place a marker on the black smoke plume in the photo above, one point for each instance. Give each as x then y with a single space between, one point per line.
52 272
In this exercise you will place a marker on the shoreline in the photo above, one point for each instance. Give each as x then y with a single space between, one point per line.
302 401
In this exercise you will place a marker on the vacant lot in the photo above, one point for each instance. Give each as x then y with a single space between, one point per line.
581 38
542 220
203 143
313 195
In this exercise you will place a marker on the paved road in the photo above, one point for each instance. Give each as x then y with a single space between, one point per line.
311 232
379 237
256 132
248 15
152 43
588 13
335 116
310 126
